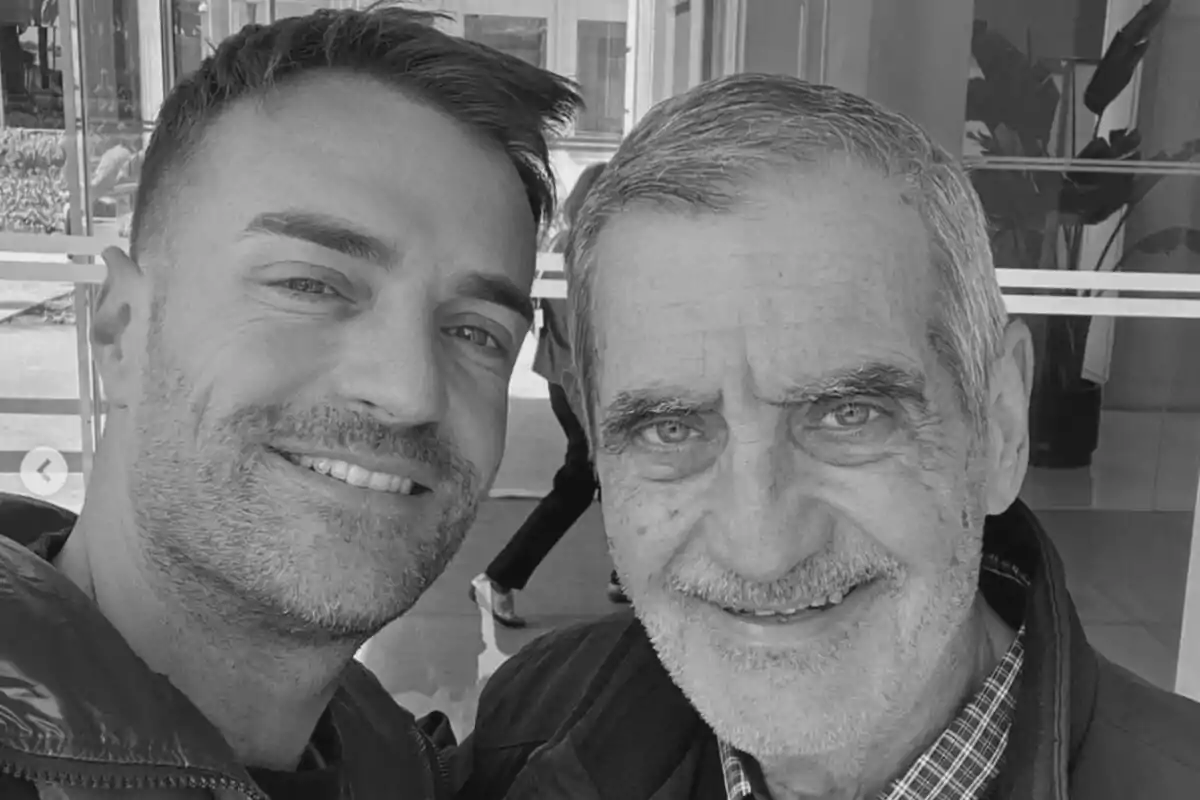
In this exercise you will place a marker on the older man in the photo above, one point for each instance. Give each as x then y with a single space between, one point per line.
306 358
795 481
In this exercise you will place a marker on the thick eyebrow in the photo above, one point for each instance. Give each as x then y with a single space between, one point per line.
343 237
322 230
875 379
630 410
496 289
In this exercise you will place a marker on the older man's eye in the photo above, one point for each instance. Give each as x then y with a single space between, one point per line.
667 433
850 416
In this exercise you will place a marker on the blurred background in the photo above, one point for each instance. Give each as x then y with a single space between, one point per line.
1088 166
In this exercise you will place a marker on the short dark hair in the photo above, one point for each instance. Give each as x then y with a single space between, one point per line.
499 97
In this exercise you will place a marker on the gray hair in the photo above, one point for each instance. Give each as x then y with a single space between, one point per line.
696 151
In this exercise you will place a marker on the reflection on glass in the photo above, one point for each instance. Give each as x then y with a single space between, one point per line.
112 83
188 24
523 37
122 82
1095 92
602 76
682 56
29 66
1123 523
198 25
33 187
1036 222
1094 221
1144 429
1025 106
712 60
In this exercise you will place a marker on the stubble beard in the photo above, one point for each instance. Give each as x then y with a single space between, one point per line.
227 543
831 702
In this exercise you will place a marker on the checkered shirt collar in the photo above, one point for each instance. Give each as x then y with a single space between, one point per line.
963 761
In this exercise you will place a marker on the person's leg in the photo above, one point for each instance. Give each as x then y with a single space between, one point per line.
572 494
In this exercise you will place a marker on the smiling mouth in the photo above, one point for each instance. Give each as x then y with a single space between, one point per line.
358 476
816 605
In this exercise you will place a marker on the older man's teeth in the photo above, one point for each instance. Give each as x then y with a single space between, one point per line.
356 475
820 604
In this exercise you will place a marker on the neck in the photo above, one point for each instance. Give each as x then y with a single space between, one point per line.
264 692
866 771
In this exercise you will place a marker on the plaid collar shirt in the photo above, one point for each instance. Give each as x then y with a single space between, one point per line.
963 761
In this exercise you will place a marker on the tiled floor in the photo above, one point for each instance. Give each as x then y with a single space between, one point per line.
1126 571
1145 462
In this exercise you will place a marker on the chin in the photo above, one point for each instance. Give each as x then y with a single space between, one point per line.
344 603
763 704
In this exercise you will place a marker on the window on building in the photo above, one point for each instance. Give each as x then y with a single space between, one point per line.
523 37
601 72
30 73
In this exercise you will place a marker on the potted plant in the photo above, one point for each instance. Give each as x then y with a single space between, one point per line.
1039 218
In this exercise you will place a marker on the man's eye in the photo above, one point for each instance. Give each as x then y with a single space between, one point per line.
476 336
849 416
666 433
309 286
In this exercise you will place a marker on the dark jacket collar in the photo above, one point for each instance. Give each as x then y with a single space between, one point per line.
77 689
1058 684
75 698
630 693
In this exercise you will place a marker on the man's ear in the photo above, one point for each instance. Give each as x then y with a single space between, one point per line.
1008 418
118 312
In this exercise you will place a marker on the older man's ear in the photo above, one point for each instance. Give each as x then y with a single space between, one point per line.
1008 418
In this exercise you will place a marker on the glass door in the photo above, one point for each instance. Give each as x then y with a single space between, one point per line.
1090 184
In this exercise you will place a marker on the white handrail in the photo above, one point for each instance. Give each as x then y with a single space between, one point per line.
59 243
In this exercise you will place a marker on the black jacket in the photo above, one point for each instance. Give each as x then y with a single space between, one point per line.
79 711
589 712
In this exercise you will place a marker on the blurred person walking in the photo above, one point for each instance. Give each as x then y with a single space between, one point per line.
575 482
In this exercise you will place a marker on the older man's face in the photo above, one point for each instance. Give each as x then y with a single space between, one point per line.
788 481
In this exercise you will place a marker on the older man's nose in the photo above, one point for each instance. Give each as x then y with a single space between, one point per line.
763 523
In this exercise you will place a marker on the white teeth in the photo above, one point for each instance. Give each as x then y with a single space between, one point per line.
820 602
355 475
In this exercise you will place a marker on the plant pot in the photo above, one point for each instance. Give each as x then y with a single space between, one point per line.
1064 426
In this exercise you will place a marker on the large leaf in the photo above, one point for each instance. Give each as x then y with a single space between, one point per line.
1093 197
1122 57
1015 91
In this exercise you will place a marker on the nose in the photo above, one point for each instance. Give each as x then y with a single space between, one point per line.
391 367
765 519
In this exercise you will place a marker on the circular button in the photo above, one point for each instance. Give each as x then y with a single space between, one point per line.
44 471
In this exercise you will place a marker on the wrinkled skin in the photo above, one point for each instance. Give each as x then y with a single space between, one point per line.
791 435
